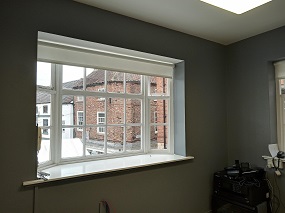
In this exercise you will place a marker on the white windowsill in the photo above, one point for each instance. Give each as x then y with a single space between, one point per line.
68 171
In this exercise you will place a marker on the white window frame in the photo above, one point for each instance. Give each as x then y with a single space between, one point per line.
79 122
51 91
101 122
154 64
145 124
280 104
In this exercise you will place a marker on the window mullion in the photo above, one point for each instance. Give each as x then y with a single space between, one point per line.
281 117
84 114
125 127
146 126
58 114
106 116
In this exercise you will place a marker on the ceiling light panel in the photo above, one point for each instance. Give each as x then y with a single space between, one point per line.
236 6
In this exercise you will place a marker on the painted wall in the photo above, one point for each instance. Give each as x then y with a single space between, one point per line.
251 114
178 187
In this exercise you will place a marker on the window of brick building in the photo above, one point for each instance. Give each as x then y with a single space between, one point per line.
100 120
80 119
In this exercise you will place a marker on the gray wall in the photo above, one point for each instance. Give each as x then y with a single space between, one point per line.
251 113
179 187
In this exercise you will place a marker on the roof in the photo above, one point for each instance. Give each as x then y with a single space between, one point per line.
43 97
96 77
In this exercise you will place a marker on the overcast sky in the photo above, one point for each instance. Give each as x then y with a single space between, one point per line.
70 73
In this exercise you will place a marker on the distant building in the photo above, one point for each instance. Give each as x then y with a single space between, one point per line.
73 113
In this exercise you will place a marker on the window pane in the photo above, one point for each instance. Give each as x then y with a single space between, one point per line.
46 130
133 111
133 83
80 118
94 141
115 138
115 82
43 120
282 86
159 137
158 86
72 110
67 133
115 111
43 109
44 153
283 102
44 74
95 80
72 77
133 138
95 105
73 145
159 111
67 110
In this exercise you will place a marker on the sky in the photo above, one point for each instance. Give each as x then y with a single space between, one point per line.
69 73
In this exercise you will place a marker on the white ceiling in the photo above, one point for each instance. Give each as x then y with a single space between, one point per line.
198 18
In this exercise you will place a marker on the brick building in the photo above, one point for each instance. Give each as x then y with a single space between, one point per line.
95 108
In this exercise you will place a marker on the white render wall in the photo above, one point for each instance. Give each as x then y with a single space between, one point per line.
67 119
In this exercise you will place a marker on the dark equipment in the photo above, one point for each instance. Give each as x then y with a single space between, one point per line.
240 189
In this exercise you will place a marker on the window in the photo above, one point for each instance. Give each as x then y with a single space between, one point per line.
80 119
121 123
101 90
280 102
80 98
100 120
45 109
111 112
44 101
45 124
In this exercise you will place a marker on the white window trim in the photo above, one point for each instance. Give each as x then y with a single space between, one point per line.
280 98
54 40
77 118
51 91
145 120
98 122
64 50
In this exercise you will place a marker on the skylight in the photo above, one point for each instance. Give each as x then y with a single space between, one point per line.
236 6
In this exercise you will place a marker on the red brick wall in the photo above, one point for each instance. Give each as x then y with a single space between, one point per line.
115 112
